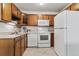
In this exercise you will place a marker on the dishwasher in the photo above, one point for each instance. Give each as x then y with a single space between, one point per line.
32 36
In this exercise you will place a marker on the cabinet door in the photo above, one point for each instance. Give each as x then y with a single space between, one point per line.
4 47
52 39
11 47
25 17
51 20
17 47
14 10
32 20
0 11
22 44
19 16
75 6
40 16
45 17
7 11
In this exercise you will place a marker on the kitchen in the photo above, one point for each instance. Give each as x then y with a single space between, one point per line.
24 26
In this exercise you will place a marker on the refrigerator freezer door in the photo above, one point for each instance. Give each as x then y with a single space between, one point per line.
60 20
60 41
73 33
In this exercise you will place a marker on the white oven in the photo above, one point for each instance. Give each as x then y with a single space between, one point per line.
43 37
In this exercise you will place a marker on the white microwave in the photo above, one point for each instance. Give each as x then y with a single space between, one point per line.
43 22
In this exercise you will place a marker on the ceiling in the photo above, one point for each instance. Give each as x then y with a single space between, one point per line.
36 7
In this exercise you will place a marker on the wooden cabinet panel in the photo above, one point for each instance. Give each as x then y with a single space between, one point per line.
75 6
52 39
14 10
4 47
21 21
22 46
17 46
40 16
7 15
51 20
0 11
25 17
11 47
32 20
19 16
46 17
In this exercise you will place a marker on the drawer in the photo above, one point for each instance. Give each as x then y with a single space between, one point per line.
44 45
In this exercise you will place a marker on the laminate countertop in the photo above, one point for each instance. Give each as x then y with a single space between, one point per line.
11 36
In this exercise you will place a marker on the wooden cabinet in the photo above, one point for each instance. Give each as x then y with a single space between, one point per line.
7 15
0 11
32 20
13 46
14 10
17 46
39 16
4 47
25 17
22 44
51 20
19 16
74 6
46 17
52 39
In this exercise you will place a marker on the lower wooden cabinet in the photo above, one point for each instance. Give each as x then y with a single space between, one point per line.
52 39
22 44
12 46
17 46
4 47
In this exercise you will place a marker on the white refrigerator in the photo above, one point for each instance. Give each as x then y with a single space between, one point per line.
66 33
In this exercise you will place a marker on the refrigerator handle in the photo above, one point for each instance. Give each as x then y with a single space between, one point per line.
61 28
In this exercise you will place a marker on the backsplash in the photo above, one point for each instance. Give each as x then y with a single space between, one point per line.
4 27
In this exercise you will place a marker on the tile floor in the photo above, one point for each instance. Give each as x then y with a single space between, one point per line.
39 52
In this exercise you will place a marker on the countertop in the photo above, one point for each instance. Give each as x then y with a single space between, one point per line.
11 36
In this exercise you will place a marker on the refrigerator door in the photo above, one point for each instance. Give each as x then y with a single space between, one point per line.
60 20
73 33
60 41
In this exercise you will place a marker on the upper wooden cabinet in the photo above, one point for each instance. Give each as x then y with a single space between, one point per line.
51 20
32 20
0 11
39 16
14 10
74 6
45 17
7 15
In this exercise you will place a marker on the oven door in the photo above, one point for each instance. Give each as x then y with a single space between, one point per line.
44 38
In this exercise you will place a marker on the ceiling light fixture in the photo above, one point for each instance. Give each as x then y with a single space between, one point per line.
41 3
